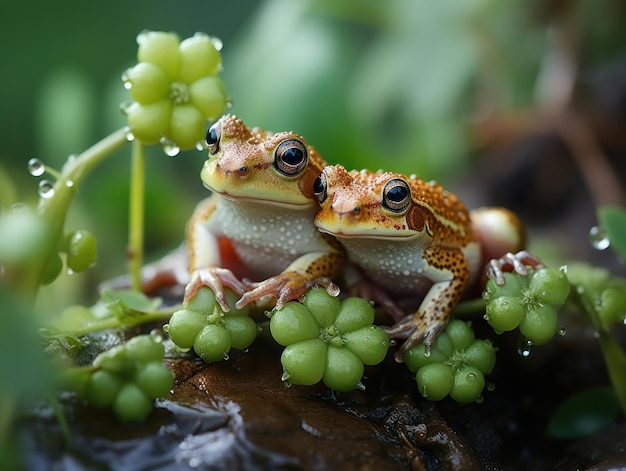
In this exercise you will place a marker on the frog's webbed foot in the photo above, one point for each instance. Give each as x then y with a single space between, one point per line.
415 330
215 278
288 286
510 262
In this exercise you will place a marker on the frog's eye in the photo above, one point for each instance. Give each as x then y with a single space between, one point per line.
213 136
396 195
291 157
320 188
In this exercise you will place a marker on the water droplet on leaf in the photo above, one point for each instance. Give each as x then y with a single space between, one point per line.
598 238
36 167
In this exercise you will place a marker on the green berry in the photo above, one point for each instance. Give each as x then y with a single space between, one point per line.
150 122
199 57
482 355
160 49
353 314
293 323
186 125
304 362
114 360
612 306
131 404
512 286
539 324
322 306
212 343
102 388
184 326
154 379
203 301
81 250
434 381
369 344
144 349
209 96
53 268
549 286
504 313
468 384
148 82
416 357
460 334
343 369
242 331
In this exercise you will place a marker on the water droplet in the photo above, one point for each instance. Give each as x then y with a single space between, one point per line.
427 353
471 376
491 386
598 238
46 189
69 183
36 167
201 146
360 386
333 290
285 377
130 136
169 147
524 347
480 399
562 331
70 271
128 84
217 43
143 36
225 356
157 335
229 103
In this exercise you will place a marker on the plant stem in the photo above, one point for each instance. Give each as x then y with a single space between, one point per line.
616 365
136 214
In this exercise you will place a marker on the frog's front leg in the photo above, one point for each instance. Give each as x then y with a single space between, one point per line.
316 268
434 312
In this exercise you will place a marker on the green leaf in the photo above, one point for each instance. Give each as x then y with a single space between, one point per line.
130 301
613 221
584 414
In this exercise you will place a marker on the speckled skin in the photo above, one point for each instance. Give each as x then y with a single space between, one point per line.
259 222
421 243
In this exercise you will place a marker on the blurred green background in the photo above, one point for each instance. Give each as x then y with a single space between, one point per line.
399 84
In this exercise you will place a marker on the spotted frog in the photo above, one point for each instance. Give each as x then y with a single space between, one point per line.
258 224
412 239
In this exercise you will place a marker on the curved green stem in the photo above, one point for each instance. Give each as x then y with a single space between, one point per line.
136 214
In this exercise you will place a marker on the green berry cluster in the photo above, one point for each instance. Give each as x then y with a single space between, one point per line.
327 339
456 365
528 302
175 88
129 377
211 332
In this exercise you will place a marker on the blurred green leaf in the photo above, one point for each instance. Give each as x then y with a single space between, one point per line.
584 414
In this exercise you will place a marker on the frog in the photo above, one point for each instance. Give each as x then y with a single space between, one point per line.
415 240
255 233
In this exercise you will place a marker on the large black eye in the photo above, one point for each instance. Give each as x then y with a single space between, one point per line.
396 195
291 157
320 188
213 136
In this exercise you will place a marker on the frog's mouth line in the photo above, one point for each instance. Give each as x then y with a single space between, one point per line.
263 201
347 235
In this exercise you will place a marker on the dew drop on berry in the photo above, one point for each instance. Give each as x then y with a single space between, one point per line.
562 331
201 146
70 271
69 183
125 106
524 347
285 377
128 84
598 238
360 386
333 290
225 356
169 147
36 167
46 189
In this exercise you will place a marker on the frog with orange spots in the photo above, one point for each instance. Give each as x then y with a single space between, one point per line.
258 224
414 240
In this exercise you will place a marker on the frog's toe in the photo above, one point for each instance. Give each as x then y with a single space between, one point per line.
512 262
216 279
